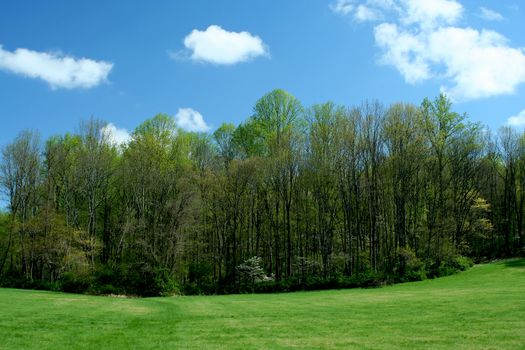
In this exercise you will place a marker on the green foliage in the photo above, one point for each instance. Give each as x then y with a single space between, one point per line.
463 263
133 279
248 139
108 279
408 266
198 272
4 225
251 272
224 138
161 128
16 281
449 265
72 283
164 284
322 197
199 279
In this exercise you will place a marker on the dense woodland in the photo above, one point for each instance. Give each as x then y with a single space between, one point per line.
293 198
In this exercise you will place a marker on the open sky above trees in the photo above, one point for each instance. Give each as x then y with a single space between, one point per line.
208 62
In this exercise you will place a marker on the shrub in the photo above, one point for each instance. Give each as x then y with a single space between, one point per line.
446 269
250 273
14 281
143 280
408 266
463 263
199 272
449 265
306 267
164 283
108 279
72 283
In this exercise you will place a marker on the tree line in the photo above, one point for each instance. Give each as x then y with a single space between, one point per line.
293 198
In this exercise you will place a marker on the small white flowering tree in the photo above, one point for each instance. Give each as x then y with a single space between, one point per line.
251 272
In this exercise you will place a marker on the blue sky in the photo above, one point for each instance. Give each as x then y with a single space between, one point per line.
207 62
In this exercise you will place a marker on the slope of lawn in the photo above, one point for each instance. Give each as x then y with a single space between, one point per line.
483 308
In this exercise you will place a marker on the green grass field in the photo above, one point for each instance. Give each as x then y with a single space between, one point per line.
483 308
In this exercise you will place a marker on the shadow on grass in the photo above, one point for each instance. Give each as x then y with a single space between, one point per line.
515 263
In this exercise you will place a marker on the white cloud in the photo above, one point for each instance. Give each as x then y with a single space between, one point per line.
115 135
342 7
191 120
403 51
479 64
430 13
490 15
517 120
425 13
423 41
58 70
218 46
369 11
383 4
364 13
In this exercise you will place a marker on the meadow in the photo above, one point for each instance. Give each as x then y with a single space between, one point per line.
482 308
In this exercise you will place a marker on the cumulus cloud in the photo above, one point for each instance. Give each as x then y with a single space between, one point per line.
399 48
191 120
423 40
361 12
478 63
342 7
490 15
58 70
218 46
364 13
383 4
115 136
430 13
517 120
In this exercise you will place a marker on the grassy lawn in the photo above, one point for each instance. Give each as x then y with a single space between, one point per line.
483 308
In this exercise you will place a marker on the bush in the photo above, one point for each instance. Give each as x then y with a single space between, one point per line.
13 281
164 283
107 280
250 273
446 269
369 280
133 279
365 280
146 281
199 272
462 263
449 265
408 266
71 283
